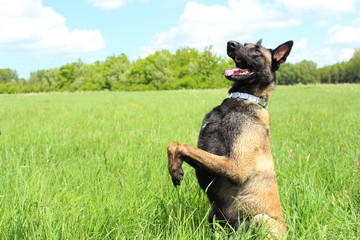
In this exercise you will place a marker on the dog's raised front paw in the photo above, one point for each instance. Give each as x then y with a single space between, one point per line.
175 163
176 176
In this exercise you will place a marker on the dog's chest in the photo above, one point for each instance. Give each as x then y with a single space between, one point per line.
220 130
221 127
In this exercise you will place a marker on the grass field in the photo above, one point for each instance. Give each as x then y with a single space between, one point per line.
93 165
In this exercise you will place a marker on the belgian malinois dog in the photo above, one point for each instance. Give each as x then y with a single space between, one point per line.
233 161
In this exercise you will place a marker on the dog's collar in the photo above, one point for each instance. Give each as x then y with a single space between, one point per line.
250 97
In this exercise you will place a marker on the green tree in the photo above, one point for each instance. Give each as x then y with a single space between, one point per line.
44 80
7 74
207 70
184 68
158 70
151 72
116 69
67 76
82 77
287 74
307 72
336 73
354 67
50 79
304 72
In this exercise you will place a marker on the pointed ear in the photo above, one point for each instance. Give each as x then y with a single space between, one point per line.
281 52
259 42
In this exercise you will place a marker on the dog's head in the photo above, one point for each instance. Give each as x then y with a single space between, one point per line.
255 67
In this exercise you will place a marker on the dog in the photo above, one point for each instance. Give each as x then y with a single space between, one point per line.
233 161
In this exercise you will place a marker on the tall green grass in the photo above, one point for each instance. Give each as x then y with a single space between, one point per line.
94 166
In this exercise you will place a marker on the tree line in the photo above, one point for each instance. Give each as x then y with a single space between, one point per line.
187 68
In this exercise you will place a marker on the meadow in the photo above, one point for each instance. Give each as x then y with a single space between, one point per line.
93 165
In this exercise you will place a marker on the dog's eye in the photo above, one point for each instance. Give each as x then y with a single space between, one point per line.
257 50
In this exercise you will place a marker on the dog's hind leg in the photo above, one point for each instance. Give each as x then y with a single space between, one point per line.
275 228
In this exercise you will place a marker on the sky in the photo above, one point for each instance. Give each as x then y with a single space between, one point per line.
44 34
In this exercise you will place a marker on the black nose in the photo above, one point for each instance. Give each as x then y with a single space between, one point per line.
233 44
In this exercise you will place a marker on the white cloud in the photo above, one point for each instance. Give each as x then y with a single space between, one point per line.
322 56
112 4
318 7
346 54
201 25
27 25
108 4
356 21
345 36
302 50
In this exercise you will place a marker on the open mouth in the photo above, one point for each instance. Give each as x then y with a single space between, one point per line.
238 72
243 70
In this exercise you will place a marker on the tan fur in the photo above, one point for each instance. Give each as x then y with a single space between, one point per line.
266 93
249 165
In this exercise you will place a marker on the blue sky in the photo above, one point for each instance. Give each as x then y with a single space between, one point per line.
43 34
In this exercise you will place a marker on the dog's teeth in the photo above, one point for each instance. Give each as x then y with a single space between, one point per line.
237 72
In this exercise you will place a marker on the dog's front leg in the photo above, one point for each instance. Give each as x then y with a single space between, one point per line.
220 165
174 164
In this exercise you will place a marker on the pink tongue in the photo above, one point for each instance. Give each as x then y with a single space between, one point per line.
234 71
